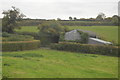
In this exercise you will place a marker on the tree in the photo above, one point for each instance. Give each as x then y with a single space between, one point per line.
75 18
58 19
115 19
70 18
108 19
50 32
100 17
9 22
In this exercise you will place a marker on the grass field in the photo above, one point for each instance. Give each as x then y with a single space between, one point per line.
109 33
46 63
28 29
0 67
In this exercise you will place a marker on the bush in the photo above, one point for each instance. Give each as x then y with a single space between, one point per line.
86 48
84 37
46 39
20 45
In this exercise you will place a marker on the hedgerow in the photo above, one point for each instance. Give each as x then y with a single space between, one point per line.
86 48
84 23
16 37
20 45
67 23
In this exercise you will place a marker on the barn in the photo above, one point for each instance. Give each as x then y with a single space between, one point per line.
72 35
75 35
90 33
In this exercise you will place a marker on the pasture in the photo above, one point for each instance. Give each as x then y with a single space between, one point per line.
109 33
27 29
0 66
37 48
47 63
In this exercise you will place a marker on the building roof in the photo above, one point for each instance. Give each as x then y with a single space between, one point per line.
101 41
73 31
90 33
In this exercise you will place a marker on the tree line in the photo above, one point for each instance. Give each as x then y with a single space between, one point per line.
13 18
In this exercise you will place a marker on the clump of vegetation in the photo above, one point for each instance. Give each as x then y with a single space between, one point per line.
20 45
50 32
115 20
84 37
86 48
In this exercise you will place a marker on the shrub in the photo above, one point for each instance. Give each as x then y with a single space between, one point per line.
86 48
62 38
46 40
84 37
20 45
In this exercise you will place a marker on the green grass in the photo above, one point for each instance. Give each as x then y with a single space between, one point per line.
28 29
0 67
109 33
46 63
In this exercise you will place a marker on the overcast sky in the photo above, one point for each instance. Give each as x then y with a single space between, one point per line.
52 9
